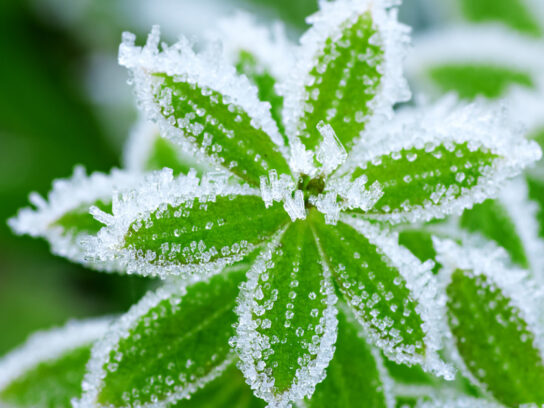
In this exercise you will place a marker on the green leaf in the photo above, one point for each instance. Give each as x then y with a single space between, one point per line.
512 13
492 220
391 294
455 401
228 390
64 219
492 312
206 107
287 325
47 371
346 70
263 54
472 80
354 375
146 150
184 226
261 77
170 344
420 243
444 165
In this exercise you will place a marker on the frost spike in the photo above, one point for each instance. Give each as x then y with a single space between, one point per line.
440 160
201 104
172 343
391 293
346 36
287 319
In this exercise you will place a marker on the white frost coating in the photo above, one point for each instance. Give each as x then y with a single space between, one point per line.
157 191
283 189
100 354
208 69
526 105
424 290
462 45
50 345
447 123
523 212
269 45
525 294
250 344
330 152
327 23
139 145
68 195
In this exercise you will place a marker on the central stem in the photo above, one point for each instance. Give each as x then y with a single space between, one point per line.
310 187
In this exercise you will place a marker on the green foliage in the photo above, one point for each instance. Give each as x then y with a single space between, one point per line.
353 375
420 243
470 81
221 129
179 235
291 305
491 219
494 340
372 287
265 82
346 77
51 384
512 13
79 221
418 176
183 340
229 390
165 154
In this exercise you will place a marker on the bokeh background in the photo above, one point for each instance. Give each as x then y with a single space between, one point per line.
65 101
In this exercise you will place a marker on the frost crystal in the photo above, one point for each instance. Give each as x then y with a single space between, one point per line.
74 194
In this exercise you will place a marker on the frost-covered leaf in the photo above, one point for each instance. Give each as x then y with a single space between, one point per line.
184 225
229 390
146 150
355 374
440 160
391 293
64 220
48 369
474 61
201 104
512 222
263 54
349 71
494 314
169 345
525 16
536 193
287 325
420 243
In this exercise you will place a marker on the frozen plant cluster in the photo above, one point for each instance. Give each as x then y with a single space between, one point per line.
273 190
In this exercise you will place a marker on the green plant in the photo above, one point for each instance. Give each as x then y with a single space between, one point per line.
277 249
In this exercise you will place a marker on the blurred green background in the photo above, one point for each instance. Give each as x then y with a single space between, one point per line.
64 101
